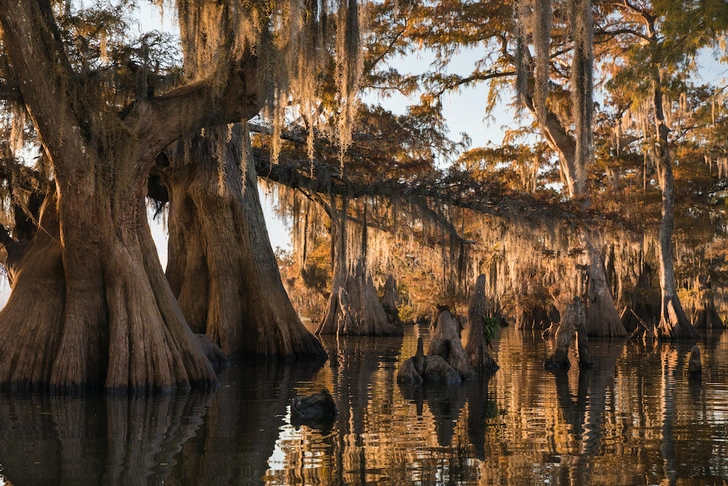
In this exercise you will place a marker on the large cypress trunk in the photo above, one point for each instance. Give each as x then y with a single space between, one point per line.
602 318
221 265
107 321
105 315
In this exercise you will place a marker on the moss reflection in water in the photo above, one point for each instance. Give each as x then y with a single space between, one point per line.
634 418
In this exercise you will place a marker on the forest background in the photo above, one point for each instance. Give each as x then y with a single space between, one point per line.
607 183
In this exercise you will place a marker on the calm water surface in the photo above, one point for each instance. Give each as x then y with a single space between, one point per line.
635 418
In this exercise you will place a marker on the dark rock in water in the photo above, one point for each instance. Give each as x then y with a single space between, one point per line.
407 373
217 357
695 367
316 411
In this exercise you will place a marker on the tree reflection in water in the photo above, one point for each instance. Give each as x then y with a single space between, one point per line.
634 418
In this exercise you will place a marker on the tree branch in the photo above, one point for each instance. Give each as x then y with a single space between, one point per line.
161 120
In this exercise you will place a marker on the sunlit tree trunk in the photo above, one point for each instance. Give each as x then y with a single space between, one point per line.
221 265
674 324
576 150
107 317
354 308
477 345
707 317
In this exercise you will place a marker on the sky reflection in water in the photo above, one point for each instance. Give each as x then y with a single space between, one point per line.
635 418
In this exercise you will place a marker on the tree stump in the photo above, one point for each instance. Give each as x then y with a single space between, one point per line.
571 323
695 367
446 344
478 343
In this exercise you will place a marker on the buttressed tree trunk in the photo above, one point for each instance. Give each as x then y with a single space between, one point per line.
354 308
572 326
707 316
576 150
221 266
103 312
674 324
477 346
602 318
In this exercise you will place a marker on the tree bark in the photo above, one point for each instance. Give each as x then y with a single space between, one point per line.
113 321
221 266
477 346
390 300
707 316
572 323
602 318
354 308
674 324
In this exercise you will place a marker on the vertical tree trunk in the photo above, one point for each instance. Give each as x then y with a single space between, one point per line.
128 334
674 324
390 300
576 153
221 265
707 316
354 308
572 324
118 324
602 318
477 346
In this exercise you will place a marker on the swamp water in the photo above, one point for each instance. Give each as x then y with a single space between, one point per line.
635 418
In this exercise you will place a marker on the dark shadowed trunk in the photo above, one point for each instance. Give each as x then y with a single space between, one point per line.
707 316
477 346
221 266
354 308
390 300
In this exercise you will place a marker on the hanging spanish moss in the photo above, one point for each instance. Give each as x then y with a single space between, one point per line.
522 17
582 32
349 65
542 21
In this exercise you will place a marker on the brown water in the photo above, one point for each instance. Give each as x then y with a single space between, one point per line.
635 418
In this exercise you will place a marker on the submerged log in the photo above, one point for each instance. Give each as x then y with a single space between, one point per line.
571 324
478 342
